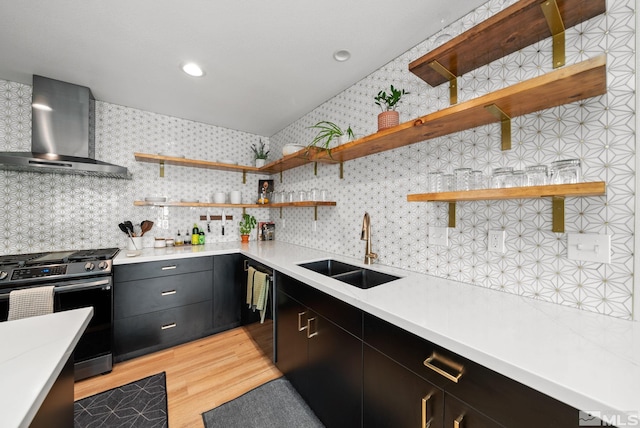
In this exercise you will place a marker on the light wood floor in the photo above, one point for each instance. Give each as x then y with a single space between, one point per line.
200 375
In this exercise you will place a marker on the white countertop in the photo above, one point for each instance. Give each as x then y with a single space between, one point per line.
33 352
587 360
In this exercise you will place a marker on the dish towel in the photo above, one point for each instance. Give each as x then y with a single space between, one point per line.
30 302
257 291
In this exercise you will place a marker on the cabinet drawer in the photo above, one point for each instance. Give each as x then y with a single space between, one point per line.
508 402
343 314
145 333
132 272
149 295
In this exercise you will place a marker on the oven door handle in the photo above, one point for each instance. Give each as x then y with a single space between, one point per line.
84 285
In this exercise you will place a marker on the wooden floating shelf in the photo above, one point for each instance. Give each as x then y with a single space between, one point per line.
169 160
211 205
572 83
508 31
595 188
557 193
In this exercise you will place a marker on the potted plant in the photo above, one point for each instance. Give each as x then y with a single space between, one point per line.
328 132
260 153
247 224
388 102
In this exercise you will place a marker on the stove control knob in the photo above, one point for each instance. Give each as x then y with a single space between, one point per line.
3 274
89 266
103 265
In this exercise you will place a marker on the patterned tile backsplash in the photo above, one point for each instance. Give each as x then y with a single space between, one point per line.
53 212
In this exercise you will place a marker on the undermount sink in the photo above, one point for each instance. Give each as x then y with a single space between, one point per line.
353 275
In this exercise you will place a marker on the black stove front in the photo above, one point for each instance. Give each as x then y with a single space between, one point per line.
81 278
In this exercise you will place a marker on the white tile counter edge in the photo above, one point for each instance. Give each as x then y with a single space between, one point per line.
33 354
587 360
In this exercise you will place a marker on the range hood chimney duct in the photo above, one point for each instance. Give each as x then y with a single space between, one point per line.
62 133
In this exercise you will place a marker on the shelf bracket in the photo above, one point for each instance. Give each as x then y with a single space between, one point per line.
244 177
452 214
505 123
557 214
161 169
341 170
280 176
556 26
244 211
315 213
452 78
315 168
280 212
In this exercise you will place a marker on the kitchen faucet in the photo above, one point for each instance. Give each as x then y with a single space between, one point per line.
365 235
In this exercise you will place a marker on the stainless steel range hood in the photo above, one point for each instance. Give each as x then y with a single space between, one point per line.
62 133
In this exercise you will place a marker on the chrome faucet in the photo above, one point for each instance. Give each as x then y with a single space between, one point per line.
365 235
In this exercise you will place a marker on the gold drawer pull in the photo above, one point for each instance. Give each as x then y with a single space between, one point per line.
168 326
458 422
168 293
446 361
300 326
169 267
315 333
426 419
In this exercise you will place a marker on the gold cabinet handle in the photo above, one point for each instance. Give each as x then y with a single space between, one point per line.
426 419
168 326
300 326
168 293
315 333
457 423
435 357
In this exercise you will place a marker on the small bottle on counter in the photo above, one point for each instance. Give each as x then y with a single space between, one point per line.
195 235
187 238
178 240
201 238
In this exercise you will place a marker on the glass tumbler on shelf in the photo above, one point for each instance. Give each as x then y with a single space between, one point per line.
291 197
302 196
536 175
501 177
324 195
566 171
518 178
434 182
448 183
476 180
461 179
314 194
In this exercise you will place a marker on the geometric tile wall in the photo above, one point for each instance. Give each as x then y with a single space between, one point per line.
53 212
600 131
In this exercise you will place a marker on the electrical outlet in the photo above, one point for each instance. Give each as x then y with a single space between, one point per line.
438 236
495 241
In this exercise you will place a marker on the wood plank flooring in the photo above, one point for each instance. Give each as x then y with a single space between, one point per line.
200 375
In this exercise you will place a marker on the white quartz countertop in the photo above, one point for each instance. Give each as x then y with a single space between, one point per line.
587 360
33 352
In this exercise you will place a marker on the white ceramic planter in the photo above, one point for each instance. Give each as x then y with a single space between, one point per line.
260 163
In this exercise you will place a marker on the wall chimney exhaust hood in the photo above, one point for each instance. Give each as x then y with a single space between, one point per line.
62 133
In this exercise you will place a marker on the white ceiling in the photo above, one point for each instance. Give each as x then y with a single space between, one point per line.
267 63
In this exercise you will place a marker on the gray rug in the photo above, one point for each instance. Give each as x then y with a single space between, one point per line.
275 404
138 404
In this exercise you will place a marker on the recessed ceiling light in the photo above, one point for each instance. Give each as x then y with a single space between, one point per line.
192 69
341 55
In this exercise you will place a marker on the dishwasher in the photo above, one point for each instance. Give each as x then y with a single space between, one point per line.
263 332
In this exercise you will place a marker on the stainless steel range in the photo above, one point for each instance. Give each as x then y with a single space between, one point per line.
81 278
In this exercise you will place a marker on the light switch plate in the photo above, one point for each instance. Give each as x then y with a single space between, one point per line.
438 236
495 241
589 247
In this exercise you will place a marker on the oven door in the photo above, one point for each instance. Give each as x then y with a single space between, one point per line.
97 293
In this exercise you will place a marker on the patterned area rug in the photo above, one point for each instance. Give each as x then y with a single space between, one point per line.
138 404
276 404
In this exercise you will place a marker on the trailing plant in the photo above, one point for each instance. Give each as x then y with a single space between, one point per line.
388 102
327 132
258 150
247 224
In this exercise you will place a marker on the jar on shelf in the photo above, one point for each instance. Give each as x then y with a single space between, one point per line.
448 183
518 178
461 178
566 171
434 182
536 175
501 177
476 180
